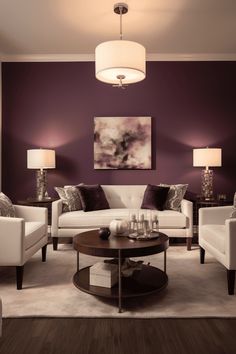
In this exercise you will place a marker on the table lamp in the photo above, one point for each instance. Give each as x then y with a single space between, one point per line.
41 159
207 157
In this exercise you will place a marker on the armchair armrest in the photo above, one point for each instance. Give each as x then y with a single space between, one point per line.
187 210
230 242
56 212
31 213
12 241
0 317
214 215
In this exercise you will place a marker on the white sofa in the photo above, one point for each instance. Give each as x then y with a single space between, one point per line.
217 236
123 200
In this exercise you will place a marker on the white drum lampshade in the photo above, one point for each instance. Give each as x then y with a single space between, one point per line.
120 62
120 58
41 159
207 157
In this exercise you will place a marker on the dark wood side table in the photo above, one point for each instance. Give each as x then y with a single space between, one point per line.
145 281
45 203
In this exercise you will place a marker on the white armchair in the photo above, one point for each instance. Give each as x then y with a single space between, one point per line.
217 235
0 317
21 237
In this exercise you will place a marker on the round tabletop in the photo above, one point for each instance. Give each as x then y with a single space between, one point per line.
90 243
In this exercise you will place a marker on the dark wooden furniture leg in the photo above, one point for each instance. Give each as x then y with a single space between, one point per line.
202 255
231 281
165 261
189 243
44 253
55 243
19 277
119 283
77 261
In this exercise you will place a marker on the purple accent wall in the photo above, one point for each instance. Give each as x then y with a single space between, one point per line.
52 105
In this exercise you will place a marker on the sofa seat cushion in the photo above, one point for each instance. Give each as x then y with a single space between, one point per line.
171 219
34 231
168 219
214 235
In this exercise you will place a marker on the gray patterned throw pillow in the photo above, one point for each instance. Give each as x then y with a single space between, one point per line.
70 198
175 196
6 206
62 195
73 198
233 212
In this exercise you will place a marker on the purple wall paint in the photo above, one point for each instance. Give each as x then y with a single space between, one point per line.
52 105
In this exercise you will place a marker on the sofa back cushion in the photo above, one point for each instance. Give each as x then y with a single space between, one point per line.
123 196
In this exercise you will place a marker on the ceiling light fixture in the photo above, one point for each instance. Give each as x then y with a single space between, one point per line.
120 62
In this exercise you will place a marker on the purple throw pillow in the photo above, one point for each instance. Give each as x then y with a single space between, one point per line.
92 197
154 197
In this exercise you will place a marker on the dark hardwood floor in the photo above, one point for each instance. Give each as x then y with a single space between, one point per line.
113 336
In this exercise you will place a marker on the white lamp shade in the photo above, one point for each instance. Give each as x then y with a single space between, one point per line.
119 57
41 159
207 157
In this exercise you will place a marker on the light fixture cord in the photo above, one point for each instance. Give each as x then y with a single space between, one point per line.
121 34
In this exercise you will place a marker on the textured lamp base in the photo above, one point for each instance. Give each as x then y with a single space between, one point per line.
41 184
207 184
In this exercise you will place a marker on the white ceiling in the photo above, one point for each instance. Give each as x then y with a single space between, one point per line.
73 28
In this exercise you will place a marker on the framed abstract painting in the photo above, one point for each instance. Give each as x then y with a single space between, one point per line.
122 143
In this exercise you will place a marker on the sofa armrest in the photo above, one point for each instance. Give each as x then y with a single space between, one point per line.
31 213
12 241
214 215
187 210
56 212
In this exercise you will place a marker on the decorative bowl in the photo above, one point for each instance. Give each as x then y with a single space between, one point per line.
104 233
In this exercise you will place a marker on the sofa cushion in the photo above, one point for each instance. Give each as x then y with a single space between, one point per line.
214 235
168 219
6 206
175 196
73 198
154 197
61 191
34 231
70 198
233 212
92 197
172 219
124 196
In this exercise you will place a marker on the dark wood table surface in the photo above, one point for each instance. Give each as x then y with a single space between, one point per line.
90 243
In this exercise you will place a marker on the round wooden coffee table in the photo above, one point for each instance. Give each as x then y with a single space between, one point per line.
145 281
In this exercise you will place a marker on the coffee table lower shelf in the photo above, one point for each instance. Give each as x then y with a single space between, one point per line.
143 282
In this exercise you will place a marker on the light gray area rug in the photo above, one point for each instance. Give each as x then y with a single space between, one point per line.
194 290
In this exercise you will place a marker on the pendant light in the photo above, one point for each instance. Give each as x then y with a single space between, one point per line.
120 62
